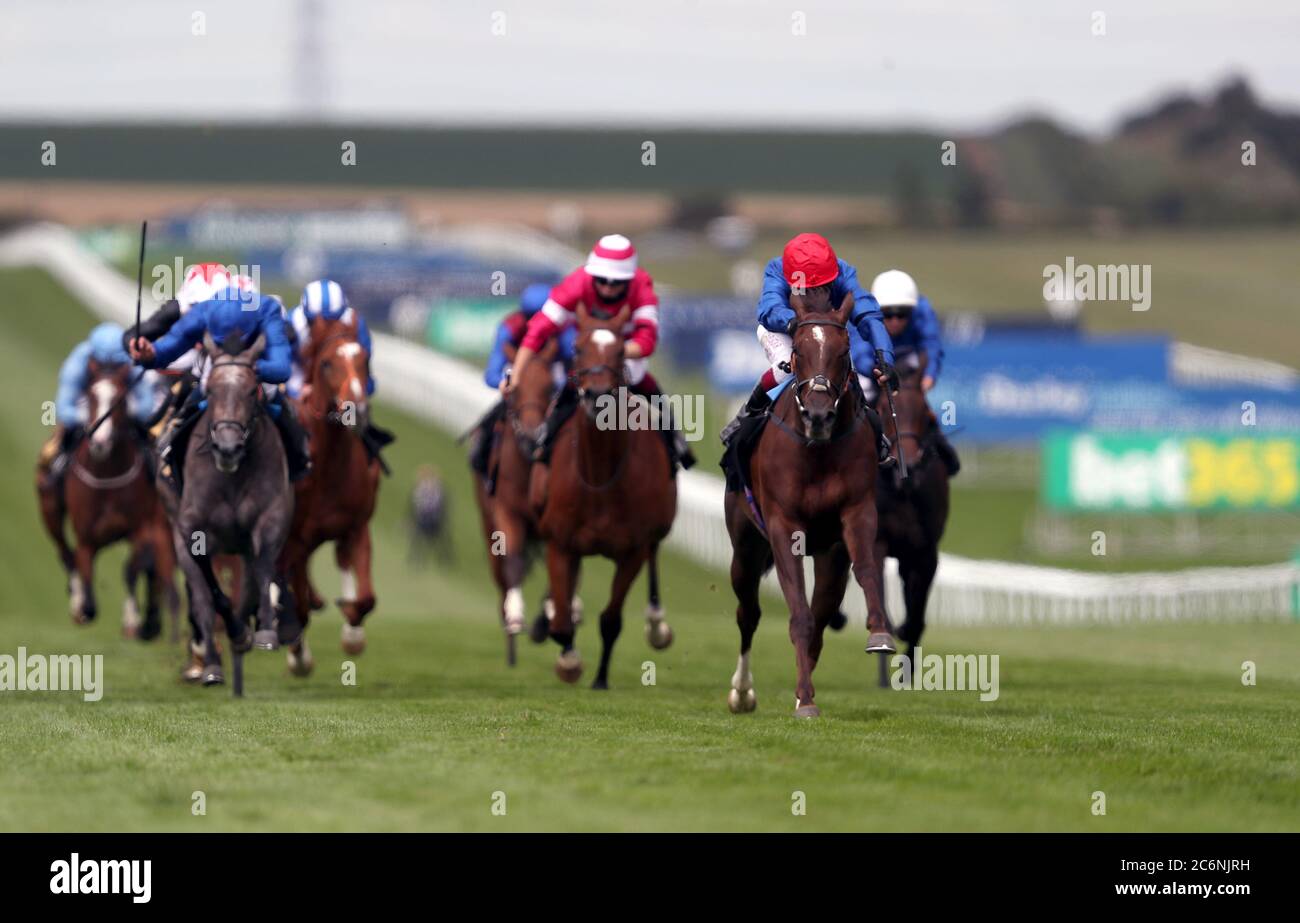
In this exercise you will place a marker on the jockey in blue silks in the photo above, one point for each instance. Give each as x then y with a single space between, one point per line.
324 298
810 261
241 315
104 348
510 332
914 328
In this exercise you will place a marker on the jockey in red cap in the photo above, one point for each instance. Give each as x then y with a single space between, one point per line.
610 281
808 263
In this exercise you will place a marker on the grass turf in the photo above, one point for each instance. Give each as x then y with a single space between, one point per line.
1155 716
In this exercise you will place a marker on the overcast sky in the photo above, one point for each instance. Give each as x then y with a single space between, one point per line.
960 64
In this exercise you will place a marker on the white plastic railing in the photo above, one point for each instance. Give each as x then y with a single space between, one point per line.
451 394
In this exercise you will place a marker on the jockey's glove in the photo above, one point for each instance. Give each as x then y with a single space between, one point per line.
885 368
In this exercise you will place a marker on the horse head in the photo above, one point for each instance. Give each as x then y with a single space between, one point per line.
531 397
820 359
234 399
914 433
598 356
105 385
340 368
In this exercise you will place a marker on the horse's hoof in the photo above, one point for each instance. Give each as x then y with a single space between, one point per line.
301 662
191 673
600 683
807 711
541 629
838 621
151 628
881 642
213 676
244 643
568 666
265 640
354 639
741 702
658 633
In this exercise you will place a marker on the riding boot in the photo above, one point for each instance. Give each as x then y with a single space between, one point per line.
296 450
674 439
483 439
884 448
947 454
561 410
757 405
174 436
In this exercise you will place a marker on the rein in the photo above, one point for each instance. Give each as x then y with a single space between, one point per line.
818 382
245 429
110 483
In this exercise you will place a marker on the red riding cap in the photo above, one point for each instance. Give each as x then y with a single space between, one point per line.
810 257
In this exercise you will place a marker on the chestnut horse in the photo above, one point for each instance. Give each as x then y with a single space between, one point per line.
335 501
109 496
813 477
913 512
508 519
610 492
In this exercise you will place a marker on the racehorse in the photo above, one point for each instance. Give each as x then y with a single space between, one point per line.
913 511
508 518
108 496
235 499
335 501
609 492
813 476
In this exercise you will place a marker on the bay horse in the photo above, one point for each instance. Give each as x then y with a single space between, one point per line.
335 501
108 496
913 511
610 492
813 475
236 499
508 519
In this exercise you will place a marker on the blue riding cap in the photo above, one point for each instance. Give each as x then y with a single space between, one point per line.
324 298
531 301
106 345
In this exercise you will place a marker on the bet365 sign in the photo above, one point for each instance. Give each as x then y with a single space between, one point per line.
1092 471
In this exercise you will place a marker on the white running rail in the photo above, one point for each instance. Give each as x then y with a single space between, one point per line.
451 394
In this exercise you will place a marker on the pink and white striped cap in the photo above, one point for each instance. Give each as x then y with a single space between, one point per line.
613 257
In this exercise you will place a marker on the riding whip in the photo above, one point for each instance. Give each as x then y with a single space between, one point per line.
898 448
139 293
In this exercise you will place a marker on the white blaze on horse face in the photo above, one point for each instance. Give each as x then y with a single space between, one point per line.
350 350
105 391
603 337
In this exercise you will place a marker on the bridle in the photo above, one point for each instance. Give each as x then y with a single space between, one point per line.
819 383
331 411
244 429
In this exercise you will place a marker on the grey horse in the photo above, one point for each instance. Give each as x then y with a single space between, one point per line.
236 499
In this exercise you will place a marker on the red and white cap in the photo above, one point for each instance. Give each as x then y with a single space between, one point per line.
613 257
202 282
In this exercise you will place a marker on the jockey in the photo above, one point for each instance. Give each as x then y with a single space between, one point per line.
609 281
104 347
243 313
808 259
510 332
323 298
201 282
914 329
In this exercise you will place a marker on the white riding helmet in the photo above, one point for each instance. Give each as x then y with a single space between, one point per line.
895 289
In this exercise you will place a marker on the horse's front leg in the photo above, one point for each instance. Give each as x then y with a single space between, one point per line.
82 600
788 542
353 556
203 615
562 568
276 624
859 527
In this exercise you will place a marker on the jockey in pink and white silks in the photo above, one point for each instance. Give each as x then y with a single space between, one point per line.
609 281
